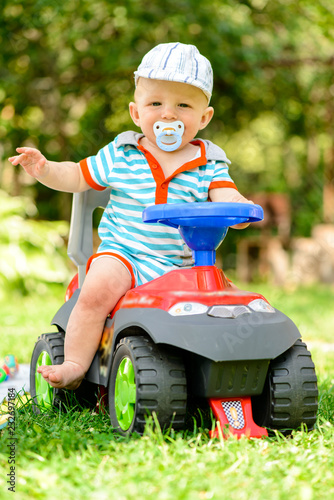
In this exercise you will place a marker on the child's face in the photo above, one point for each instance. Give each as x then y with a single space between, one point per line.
158 100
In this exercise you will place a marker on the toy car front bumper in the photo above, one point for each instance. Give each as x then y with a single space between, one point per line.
248 337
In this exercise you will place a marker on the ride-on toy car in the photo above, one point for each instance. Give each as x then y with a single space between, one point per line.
187 336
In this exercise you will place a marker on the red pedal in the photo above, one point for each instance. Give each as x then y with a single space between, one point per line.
234 418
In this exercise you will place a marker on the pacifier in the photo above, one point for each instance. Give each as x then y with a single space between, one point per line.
168 135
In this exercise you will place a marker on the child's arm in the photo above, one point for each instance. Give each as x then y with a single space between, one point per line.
229 195
61 176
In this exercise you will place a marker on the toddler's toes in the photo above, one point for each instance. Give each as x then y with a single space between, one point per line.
65 376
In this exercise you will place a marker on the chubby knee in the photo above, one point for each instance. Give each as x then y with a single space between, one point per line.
106 282
97 299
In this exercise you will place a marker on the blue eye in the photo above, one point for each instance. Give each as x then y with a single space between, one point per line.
156 103
183 105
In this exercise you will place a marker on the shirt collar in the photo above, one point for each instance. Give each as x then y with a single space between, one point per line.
213 152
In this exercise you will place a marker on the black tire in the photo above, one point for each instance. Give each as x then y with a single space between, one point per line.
49 345
84 396
158 384
290 395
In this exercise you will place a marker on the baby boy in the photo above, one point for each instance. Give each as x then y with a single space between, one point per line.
165 163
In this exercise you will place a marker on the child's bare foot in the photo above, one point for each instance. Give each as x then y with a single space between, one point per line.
66 376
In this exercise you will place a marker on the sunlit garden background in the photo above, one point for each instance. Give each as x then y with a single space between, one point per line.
66 78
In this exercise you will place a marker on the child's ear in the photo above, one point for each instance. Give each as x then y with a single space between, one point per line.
133 108
206 118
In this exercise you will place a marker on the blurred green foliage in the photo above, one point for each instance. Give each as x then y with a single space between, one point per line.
32 253
66 78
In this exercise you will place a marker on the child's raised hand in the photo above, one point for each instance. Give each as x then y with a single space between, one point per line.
32 160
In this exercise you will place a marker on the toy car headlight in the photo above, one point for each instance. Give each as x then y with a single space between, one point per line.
228 311
234 311
260 305
187 308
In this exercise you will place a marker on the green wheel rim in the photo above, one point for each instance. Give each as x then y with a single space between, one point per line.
44 391
125 394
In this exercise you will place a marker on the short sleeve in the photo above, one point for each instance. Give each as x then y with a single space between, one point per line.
97 169
221 177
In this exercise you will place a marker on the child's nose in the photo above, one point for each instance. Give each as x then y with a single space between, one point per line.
168 113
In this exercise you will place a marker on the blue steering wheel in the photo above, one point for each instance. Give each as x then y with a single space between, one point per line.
203 226
203 214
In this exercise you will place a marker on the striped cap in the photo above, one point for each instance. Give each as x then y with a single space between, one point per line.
177 62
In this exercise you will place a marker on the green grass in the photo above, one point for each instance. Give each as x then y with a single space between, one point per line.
76 454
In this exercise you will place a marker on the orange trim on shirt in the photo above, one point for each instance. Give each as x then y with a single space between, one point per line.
117 256
161 190
222 184
88 178
198 162
162 183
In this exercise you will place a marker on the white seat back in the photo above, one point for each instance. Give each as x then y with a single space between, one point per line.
80 243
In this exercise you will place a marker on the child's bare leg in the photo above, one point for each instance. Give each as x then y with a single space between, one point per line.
106 282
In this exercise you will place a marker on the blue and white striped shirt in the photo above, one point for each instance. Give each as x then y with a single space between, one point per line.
137 181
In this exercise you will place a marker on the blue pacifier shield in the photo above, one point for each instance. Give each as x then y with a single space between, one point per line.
168 135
